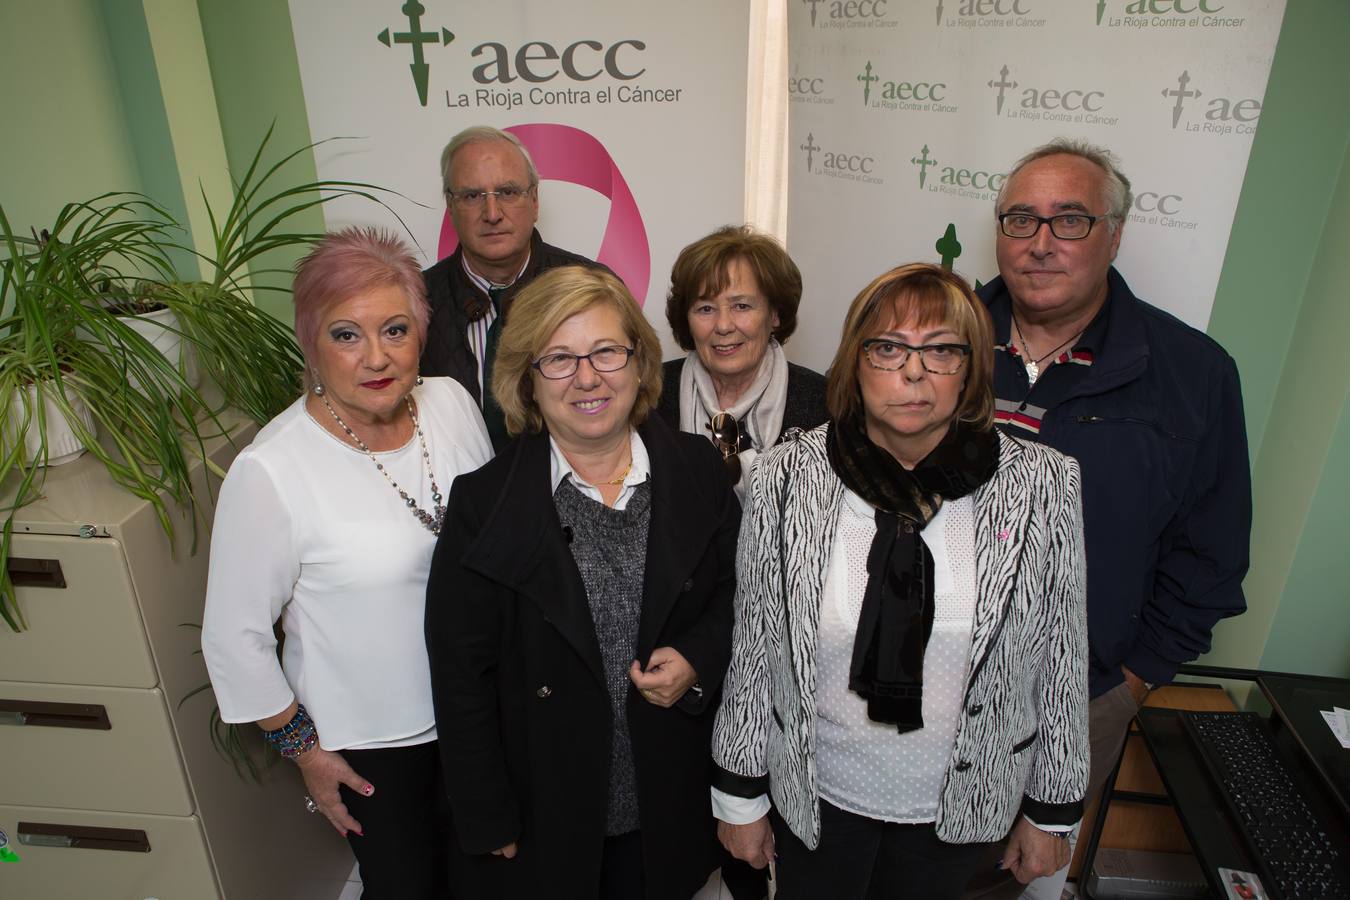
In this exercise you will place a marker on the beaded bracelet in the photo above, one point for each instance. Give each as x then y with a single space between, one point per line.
295 737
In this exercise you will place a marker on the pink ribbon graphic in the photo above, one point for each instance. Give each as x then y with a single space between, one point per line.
564 153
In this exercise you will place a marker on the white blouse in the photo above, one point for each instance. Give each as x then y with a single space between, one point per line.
867 767
308 531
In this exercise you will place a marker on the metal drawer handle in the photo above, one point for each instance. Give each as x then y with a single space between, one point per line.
54 715
83 837
28 572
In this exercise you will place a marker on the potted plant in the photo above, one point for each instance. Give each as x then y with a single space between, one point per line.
73 295
66 361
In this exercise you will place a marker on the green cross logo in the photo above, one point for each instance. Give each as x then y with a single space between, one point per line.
1101 8
417 37
1002 84
948 246
923 161
867 78
810 147
1181 94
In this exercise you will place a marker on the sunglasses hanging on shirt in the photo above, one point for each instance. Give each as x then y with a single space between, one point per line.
730 441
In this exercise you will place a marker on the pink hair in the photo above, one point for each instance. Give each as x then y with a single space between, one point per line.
351 262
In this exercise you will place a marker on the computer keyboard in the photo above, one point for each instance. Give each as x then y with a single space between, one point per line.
1297 859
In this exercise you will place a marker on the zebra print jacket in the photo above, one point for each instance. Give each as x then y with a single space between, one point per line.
1022 744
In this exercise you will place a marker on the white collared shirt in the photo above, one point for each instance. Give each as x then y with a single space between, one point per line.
639 472
478 329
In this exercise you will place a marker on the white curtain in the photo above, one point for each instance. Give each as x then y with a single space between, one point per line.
766 112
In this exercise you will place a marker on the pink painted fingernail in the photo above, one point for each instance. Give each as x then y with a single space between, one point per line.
368 790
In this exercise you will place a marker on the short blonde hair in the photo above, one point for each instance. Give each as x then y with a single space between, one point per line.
538 311
928 295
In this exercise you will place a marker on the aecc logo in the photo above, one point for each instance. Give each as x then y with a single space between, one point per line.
580 61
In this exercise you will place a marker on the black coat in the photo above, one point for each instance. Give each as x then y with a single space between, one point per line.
456 301
522 711
804 407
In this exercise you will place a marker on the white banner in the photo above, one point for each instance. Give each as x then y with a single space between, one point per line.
905 115
634 113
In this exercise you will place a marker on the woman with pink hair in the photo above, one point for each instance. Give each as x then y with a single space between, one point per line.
326 523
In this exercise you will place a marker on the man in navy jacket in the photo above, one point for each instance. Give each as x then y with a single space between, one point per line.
1151 409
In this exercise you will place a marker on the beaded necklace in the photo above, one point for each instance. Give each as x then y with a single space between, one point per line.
429 521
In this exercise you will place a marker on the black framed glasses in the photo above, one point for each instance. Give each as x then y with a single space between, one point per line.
557 366
727 435
1065 226
474 198
939 359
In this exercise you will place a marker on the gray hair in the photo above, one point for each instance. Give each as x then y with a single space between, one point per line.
480 134
1118 195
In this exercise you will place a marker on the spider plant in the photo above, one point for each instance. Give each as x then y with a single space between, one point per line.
62 337
57 348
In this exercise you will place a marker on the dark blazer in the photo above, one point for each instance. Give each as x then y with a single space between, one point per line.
456 301
804 407
1157 426
522 711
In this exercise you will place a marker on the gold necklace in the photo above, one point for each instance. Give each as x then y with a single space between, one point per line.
620 479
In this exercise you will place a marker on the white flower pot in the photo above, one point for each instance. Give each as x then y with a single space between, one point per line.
160 328
63 445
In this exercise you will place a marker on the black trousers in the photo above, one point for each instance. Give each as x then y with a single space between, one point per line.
621 875
407 851
866 859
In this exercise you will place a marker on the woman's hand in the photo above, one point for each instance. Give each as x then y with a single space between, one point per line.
752 843
507 852
1033 853
323 771
667 678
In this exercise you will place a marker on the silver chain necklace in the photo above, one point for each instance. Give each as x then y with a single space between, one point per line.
429 521
1033 366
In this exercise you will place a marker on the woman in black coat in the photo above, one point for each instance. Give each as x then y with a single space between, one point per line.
579 614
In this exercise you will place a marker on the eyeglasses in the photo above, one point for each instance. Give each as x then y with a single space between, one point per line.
473 198
564 365
726 433
939 359
1065 226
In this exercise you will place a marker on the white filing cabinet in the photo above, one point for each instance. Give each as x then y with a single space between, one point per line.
109 785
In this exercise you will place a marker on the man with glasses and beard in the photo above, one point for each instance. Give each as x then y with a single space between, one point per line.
1151 409
492 192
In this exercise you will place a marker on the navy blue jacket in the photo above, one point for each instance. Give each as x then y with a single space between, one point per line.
1157 427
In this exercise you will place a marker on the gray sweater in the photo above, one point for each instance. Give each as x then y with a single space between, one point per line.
609 547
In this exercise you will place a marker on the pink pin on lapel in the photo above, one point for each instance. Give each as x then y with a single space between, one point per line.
1003 535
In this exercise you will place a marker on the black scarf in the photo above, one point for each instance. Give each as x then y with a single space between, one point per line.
897 609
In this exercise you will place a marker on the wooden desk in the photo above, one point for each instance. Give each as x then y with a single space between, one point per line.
1147 826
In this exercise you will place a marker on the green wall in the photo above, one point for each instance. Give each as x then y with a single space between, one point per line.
165 95
1281 311
1305 468
256 75
68 135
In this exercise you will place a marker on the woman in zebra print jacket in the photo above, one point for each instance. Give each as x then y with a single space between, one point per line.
909 672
